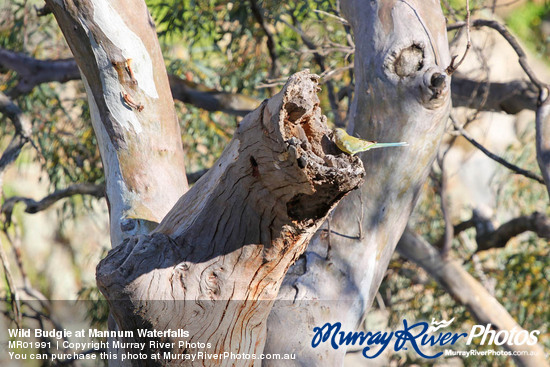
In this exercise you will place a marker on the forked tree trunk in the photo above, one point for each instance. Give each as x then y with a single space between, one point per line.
226 245
401 94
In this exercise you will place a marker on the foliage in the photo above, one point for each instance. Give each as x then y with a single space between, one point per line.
526 23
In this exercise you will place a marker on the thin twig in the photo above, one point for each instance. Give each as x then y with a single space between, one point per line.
452 68
496 158
500 28
338 18
329 74
16 246
320 60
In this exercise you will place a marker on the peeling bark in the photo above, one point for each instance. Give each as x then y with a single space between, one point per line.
117 51
227 244
402 94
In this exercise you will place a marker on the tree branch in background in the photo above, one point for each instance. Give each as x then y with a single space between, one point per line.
497 238
488 237
22 135
33 72
96 190
466 290
505 163
500 28
510 97
320 60
542 123
210 99
257 12
543 109
33 206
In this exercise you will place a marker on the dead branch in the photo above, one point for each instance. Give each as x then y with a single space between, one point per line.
454 66
487 237
466 290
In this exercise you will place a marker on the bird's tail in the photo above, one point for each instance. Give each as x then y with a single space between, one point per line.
386 145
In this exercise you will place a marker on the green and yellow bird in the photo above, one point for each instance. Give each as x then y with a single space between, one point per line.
352 145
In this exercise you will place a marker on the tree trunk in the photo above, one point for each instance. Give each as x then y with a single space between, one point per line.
227 244
116 48
401 94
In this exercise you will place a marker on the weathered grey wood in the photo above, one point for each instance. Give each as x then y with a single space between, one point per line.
228 242
469 292
402 94
116 48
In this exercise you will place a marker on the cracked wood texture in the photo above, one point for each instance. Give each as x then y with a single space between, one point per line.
117 51
225 247
402 94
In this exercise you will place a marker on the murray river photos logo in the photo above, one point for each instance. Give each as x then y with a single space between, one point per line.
418 336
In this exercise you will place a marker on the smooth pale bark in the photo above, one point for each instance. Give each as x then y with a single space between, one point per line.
468 291
402 94
227 244
116 48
